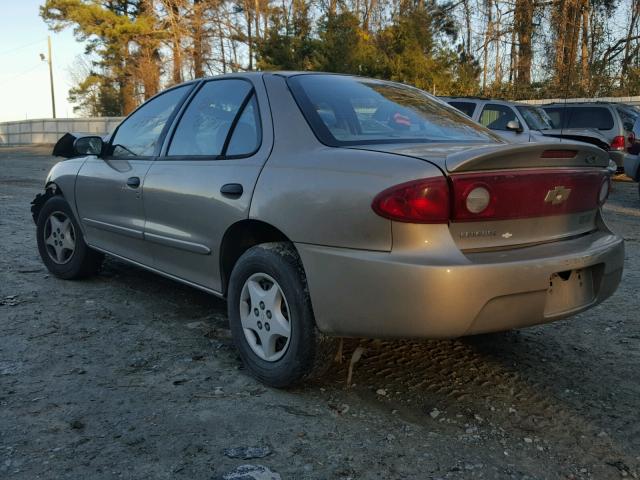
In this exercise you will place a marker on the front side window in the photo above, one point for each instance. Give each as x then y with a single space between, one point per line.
344 110
465 107
496 117
139 134
205 125
536 118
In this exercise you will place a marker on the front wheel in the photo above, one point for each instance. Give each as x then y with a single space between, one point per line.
271 318
61 243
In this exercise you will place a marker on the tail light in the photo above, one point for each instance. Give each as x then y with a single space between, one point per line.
618 143
470 197
420 201
631 138
527 194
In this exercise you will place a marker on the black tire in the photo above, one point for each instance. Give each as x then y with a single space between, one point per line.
83 261
309 353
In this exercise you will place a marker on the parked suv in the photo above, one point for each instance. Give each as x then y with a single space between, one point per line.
632 160
614 120
524 123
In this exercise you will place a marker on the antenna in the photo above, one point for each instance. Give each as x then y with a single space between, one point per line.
572 54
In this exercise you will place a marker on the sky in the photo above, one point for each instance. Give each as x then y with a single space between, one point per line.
24 77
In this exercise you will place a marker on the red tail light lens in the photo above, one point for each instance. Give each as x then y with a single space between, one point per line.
469 197
420 201
528 194
618 143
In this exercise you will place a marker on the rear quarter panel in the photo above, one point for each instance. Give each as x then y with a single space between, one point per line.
322 195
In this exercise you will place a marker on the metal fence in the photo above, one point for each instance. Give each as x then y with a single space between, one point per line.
628 100
33 132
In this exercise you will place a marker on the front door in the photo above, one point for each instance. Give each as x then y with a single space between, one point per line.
109 190
203 181
495 117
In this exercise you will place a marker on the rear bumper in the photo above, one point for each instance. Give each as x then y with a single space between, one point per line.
409 294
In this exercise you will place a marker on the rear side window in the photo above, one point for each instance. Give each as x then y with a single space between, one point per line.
344 110
496 117
246 134
465 107
210 116
599 118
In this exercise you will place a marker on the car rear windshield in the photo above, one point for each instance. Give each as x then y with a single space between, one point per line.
599 118
536 118
345 110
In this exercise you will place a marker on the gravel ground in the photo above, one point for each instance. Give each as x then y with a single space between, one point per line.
130 375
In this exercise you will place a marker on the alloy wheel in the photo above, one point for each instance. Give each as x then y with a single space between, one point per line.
59 237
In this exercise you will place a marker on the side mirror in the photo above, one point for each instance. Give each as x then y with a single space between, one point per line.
514 126
77 144
88 145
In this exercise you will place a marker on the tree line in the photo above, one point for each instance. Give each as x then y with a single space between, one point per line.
501 48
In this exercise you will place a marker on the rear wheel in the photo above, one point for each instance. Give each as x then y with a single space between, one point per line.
61 243
271 318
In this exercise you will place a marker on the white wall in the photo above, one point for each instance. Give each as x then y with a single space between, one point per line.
30 132
627 100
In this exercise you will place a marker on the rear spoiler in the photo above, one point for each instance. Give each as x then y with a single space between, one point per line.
527 155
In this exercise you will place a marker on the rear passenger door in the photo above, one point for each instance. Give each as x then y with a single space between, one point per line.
204 178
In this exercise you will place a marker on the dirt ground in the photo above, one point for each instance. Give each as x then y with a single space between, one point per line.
130 375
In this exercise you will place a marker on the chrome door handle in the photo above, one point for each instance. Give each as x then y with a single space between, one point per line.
133 182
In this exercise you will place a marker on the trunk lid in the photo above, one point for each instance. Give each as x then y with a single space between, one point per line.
464 157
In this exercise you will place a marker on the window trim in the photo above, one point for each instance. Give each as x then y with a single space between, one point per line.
165 128
324 136
164 151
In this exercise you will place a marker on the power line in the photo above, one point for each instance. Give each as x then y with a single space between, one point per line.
22 46
20 74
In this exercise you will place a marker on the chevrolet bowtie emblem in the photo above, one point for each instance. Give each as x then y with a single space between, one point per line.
557 195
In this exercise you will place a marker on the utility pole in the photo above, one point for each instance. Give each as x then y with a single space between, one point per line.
48 60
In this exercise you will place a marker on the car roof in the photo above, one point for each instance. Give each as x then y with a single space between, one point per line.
281 73
583 104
